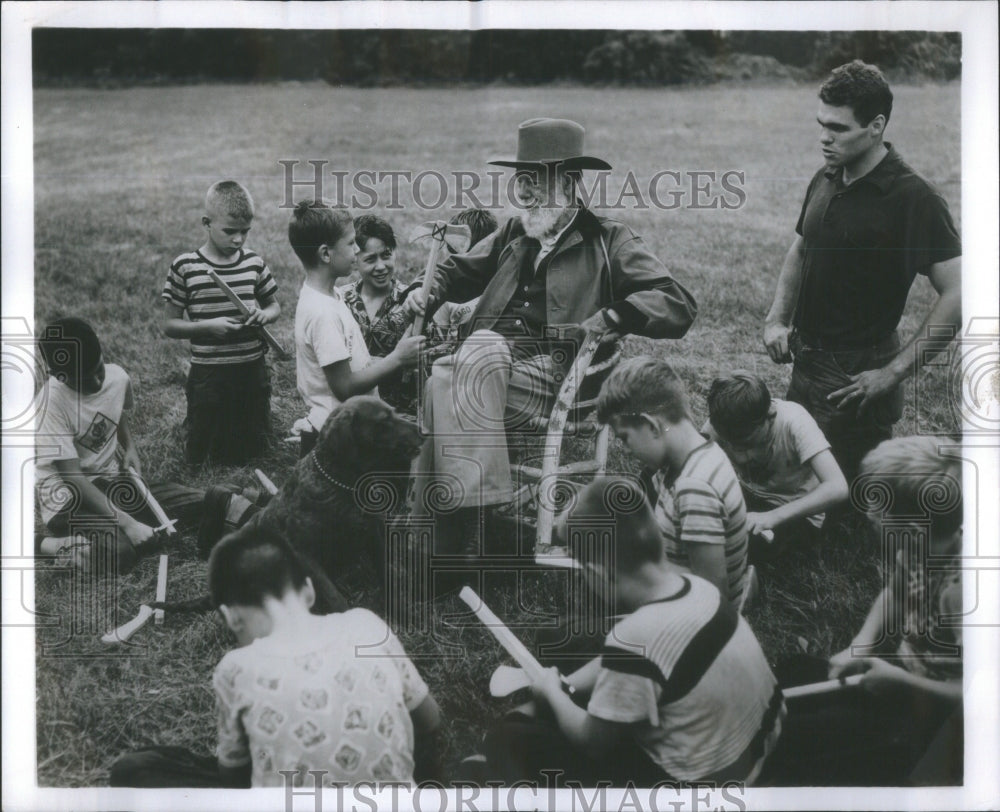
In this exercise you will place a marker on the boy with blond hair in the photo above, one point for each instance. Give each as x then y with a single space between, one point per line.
699 505
228 388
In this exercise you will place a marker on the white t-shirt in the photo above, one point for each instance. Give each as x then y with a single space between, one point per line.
325 333
779 470
72 425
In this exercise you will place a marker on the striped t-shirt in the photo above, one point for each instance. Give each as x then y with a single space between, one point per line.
688 676
704 505
190 287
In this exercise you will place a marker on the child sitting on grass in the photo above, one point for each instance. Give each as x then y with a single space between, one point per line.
904 722
334 693
332 361
788 474
681 690
83 429
228 387
699 505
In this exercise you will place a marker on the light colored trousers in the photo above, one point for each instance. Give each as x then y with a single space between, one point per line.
471 401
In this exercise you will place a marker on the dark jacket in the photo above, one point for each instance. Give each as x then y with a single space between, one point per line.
639 288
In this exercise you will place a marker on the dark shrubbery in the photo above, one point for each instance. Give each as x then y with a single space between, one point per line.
395 56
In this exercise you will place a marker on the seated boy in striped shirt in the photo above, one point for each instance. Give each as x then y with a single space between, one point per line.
699 505
228 388
681 690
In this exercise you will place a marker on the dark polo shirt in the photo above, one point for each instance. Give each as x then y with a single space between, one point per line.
864 245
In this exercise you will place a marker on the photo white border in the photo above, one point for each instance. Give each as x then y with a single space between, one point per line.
977 21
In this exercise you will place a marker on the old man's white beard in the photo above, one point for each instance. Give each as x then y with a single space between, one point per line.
541 221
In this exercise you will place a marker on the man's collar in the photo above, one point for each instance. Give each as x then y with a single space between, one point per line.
881 175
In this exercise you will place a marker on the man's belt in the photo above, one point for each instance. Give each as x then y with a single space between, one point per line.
813 342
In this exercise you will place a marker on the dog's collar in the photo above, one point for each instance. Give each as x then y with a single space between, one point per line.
326 476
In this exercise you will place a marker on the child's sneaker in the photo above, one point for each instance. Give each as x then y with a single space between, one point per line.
69 551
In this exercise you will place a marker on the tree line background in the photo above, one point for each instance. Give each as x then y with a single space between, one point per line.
110 57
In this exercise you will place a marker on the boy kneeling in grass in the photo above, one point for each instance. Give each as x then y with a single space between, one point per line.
83 430
903 724
788 474
332 362
681 691
334 693
699 504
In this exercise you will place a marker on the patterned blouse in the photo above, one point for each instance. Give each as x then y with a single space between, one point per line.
383 331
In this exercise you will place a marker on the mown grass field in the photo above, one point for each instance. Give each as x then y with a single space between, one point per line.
119 182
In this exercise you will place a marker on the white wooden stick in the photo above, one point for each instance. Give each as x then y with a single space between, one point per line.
126 630
161 517
265 481
418 322
821 687
514 647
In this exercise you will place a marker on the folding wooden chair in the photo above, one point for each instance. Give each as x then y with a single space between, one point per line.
571 416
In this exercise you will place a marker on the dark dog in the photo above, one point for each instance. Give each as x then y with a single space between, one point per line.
332 508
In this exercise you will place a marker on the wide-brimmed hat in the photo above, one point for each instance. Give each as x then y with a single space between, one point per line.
542 141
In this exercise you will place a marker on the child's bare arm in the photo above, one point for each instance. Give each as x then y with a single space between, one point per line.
593 736
584 678
176 326
95 502
872 634
264 315
881 677
345 383
709 561
831 491
426 755
130 454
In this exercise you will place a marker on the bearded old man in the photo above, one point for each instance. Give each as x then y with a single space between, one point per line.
551 273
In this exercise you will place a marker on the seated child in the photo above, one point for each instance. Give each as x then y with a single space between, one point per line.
681 690
332 361
909 649
450 315
334 693
228 388
699 505
788 474
376 300
82 431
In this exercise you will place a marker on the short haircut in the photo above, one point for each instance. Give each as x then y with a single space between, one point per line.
70 347
860 86
371 225
481 223
915 479
611 524
227 198
643 385
315 223
249 565
737 404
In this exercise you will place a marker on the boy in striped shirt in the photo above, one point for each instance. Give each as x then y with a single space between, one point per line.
228 388
699 504
681 690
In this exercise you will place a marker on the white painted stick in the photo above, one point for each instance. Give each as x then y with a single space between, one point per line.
126 630
514 647
265 481
418 322
161 517
821 687
161 588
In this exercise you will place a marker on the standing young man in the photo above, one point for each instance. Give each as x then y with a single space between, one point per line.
869 224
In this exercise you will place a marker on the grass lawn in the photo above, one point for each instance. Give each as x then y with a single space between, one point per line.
120 177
